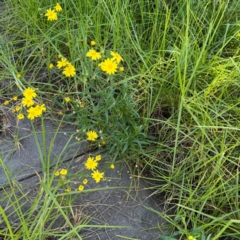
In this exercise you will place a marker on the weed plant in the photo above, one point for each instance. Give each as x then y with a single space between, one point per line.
174 109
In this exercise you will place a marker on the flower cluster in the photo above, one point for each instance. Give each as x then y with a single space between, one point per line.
29 95
62 175
110 65
68 68
52 13
91 164
27 101
6 102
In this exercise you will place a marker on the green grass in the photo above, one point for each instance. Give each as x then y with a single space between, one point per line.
174 110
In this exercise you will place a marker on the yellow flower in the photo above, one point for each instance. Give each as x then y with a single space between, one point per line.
13 110
109 66
62 63
60 113
58 8
93 54
15 98
51 66
98 157
57 173
93 43
91 164
121 69
68 189
85 181
112 166
51 15
97 176
63 172
116 56
91 136
43 108
69 70
6 103
29 93
18 75
191 238
67 99
81 187
40 109
32 113
18 108
20 116
27 102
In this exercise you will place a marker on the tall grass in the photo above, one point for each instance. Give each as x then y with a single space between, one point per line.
175 109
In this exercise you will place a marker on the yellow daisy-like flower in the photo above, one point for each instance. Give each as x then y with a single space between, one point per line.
29 93
94 55
51 15
18 75
69 70
67 99
112 166
15 98
40 109
51 66
56 173
121 69
93 43
91 164
18 108
62 63
85 181
81 187
43 108
98 158
109 66
58 8
32 113
6 103
92 136
63 172
117 57
27 102
97 176
20 116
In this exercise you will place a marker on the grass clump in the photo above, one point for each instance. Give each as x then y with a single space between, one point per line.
156 80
